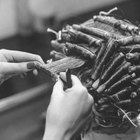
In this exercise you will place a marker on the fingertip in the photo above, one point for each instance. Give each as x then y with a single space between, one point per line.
39 59
16 68
34 65
35 72
59 84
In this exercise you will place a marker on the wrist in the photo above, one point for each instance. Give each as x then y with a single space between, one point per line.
53 133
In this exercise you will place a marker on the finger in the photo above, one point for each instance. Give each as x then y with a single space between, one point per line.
15 68
58 91
18 56
35 72
58 87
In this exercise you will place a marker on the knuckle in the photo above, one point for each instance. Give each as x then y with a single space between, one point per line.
37 57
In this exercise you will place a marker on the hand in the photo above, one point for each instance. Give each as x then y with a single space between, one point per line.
68 110
15 62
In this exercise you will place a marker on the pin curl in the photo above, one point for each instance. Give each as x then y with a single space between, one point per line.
76 50
60 47
57 34
118 24
124 82
96 32
118 96
52 31
132 48
109 71
130 40
114 78
111 48
133 57
102 13
77 35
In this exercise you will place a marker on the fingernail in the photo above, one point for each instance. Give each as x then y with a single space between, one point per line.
31 65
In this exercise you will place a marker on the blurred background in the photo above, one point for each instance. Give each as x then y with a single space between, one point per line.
23 25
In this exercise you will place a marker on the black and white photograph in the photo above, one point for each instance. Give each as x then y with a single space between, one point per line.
69 70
